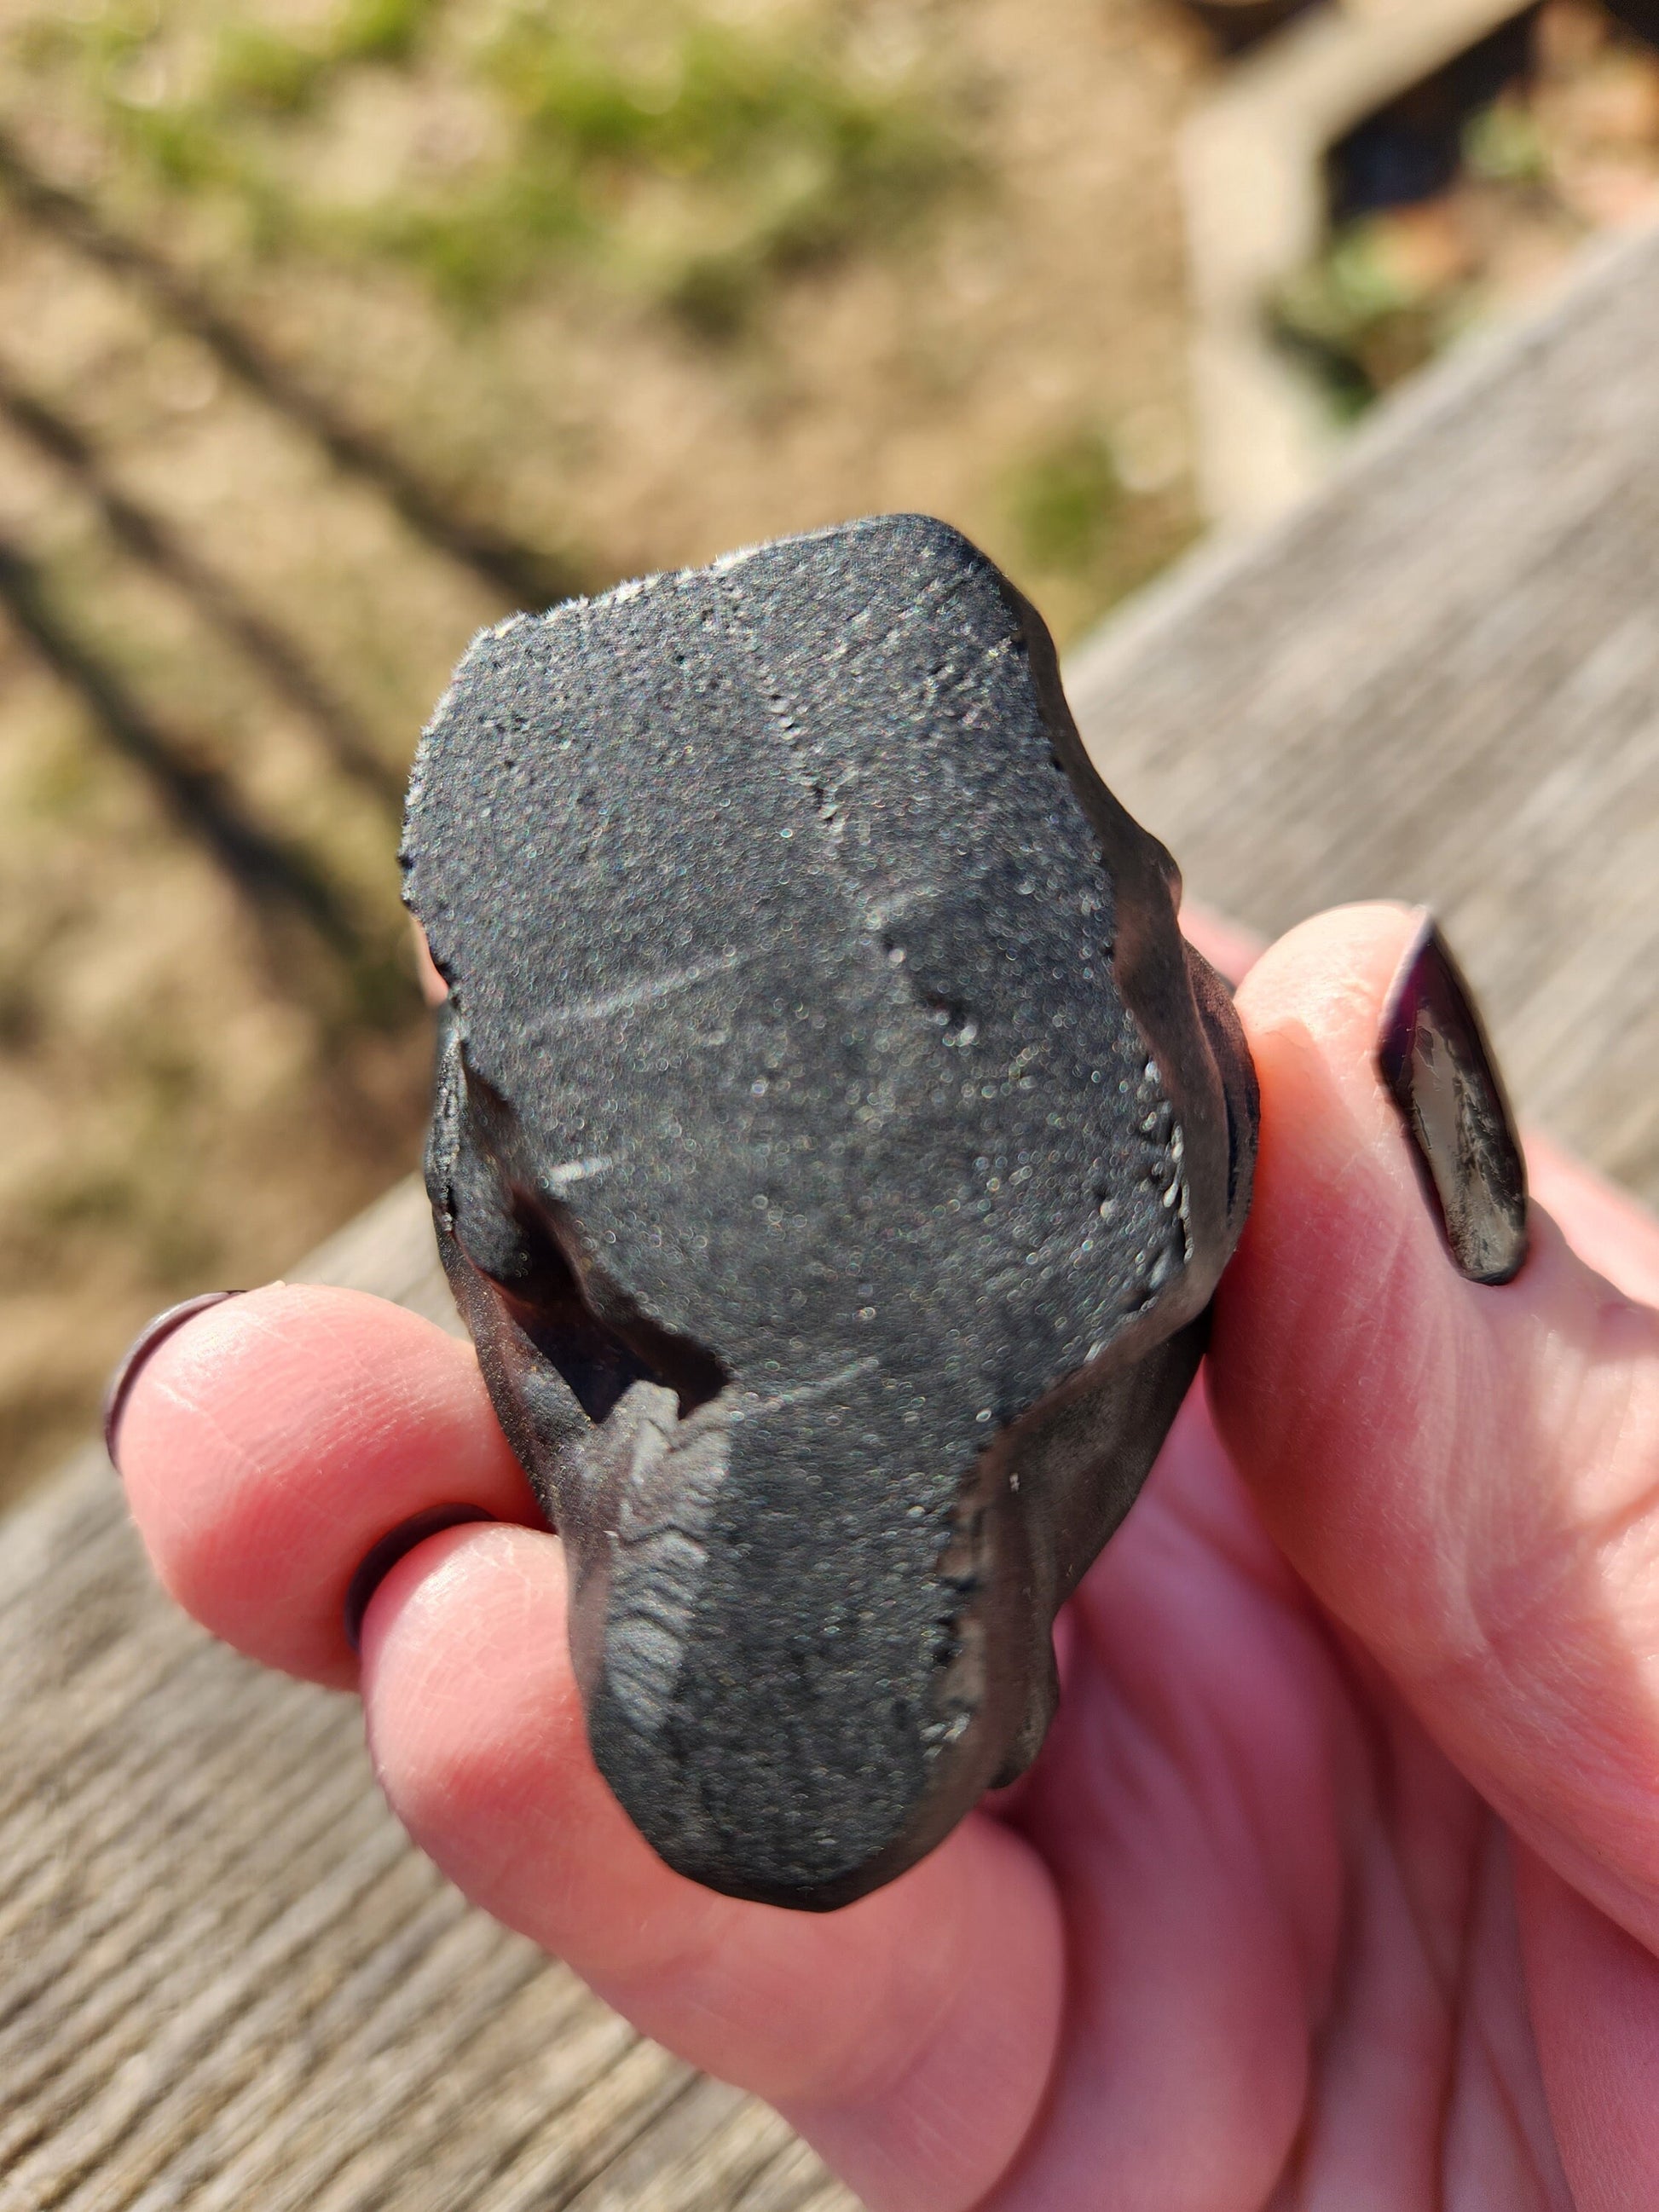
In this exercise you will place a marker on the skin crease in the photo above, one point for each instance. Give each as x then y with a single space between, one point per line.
1336 1887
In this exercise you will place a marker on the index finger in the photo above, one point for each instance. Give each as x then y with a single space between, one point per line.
272 1442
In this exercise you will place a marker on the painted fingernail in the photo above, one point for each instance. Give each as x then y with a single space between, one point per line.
138 1351
1435 1058
380 1558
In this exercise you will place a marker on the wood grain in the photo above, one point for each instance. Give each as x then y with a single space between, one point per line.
225 1979
1439 681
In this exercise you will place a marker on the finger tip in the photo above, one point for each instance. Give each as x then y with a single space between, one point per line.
1332 971
1337 1323
473 1712
858 2018
166 1401
477 1732
267 1445
1331 1176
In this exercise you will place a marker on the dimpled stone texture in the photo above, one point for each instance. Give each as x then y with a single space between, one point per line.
835 1152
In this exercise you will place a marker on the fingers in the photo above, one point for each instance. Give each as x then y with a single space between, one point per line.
1468 1476
269 1444
910 2036
1595 2012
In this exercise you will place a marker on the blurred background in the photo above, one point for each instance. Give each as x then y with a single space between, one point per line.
331 330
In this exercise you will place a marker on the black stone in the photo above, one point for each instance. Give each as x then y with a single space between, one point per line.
836 1149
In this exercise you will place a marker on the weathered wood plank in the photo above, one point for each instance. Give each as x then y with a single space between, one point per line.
1440 681
225 1980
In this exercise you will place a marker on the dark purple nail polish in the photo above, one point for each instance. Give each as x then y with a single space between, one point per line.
380 1558
133 1360
1435 1058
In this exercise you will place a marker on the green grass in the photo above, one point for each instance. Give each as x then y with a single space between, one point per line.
1356 322
694 162
1356 326
1064 503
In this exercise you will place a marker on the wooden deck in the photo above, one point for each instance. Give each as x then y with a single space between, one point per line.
225 1980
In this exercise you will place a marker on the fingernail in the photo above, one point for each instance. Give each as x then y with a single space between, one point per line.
133 1360
380 1558
1435 1058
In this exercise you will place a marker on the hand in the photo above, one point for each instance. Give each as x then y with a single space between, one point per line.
1337 1885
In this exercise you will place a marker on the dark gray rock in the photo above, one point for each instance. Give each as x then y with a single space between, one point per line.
835 1152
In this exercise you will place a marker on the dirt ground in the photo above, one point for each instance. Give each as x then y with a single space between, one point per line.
284 419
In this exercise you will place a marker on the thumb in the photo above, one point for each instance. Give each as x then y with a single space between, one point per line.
1466 1472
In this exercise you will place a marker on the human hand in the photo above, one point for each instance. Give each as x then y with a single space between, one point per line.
1337 1883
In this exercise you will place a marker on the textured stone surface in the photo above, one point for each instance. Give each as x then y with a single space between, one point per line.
836 1149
